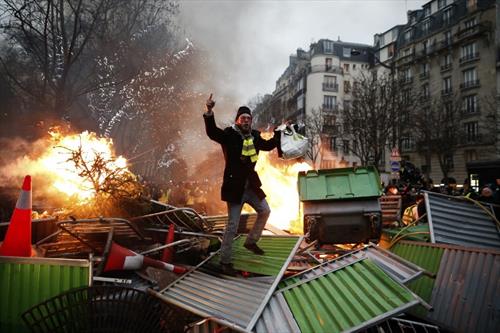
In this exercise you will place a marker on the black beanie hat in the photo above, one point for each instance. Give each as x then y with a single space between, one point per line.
242 110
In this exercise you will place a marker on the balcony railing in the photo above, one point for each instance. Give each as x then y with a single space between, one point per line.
469 84
424 75
472 139
471 31
333 87
469 57
407 80
446 67
326 69
446 92
330 109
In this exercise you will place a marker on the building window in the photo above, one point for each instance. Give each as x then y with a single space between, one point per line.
353 66
300 102
470 155
448 161
447 14
426 25
345 146
425 43
390 51
447 38
328 46
470 23
447 60
346 51
408 143
329 102
471 130
469 76
468 52
408 35
447 85
328 63
346 67
333 143
427 10
441 3
425 91
407 74
330 81
300 84
470 104
424 68
347 105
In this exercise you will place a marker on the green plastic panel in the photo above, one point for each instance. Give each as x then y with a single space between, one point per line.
25 282
427 257
277 250
350 298
338 184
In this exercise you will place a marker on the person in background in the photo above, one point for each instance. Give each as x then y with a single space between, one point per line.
241 184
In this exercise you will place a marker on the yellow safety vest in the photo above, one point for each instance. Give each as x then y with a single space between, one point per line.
408 215
249 150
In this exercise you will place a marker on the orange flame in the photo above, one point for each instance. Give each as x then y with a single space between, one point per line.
280 185
56 167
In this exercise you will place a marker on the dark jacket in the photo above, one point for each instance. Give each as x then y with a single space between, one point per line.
238 170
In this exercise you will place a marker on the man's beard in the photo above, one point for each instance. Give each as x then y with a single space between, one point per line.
245 128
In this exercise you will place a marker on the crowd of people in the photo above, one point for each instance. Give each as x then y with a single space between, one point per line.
412 198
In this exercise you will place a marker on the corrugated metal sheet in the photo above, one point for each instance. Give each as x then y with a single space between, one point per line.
277 250
25 282
466 295
349 299
398 268
219 222
459 222
425 256
232 301
277 317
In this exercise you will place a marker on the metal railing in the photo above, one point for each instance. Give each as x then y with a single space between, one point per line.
333 87
469 84
326 69
446 67
446 92
469 57
332 109
424 75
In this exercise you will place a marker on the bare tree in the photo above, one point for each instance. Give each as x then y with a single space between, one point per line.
375 118
54 43
314 122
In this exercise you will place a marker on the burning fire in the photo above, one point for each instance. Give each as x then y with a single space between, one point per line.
280 185
70 159
66 177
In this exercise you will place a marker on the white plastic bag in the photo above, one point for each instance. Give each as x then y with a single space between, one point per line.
293 145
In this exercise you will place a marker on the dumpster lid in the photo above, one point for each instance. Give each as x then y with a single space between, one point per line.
339 184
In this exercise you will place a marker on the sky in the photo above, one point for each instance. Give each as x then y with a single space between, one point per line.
250 42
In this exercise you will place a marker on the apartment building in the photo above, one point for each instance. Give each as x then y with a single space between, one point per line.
447 50
317 84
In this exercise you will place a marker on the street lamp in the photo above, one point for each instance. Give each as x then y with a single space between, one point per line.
356 52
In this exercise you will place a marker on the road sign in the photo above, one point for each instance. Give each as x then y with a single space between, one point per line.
395 166
395 156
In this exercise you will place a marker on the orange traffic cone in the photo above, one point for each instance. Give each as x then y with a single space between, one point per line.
121 258
168 253
17 242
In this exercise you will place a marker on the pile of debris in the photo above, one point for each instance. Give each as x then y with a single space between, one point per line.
156 273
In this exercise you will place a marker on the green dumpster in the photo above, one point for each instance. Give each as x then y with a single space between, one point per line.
341 205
